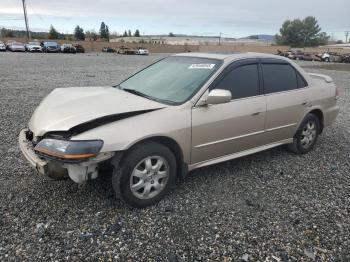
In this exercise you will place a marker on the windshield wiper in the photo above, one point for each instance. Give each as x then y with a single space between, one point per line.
138 93
135 92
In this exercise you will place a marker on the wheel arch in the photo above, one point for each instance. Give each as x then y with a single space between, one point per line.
318 112
182 167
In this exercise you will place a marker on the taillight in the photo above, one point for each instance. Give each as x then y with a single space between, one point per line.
337 92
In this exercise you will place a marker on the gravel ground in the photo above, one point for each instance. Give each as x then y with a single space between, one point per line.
271 206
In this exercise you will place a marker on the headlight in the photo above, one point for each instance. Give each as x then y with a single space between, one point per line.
67 149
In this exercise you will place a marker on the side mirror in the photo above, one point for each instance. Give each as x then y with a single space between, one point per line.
218 96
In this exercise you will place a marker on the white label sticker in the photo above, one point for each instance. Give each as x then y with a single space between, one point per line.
202 66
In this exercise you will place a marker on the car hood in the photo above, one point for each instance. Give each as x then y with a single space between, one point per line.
67 108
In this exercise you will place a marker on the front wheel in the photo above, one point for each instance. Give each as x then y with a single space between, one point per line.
145 175
306 135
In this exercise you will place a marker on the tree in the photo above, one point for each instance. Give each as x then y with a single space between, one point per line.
301 33
323 38
104 31
137 33
171 34
6 32
129 33
107 33
125 34
79 33
53 33
91 35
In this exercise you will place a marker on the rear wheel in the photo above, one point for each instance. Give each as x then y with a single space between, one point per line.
306 136
145 175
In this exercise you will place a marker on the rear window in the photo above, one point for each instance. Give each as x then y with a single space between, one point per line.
279 78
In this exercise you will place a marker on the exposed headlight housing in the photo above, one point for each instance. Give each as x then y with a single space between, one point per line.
69 149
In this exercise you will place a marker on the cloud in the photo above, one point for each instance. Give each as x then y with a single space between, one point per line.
229 16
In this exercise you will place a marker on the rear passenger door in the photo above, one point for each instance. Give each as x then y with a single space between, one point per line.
287 98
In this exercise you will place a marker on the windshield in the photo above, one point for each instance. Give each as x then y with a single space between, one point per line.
34 43
173 79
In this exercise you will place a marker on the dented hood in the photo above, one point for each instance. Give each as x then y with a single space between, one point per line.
66 108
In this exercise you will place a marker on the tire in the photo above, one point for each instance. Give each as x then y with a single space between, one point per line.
306 135
136 179
327 60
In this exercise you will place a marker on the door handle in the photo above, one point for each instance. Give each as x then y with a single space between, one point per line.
256 113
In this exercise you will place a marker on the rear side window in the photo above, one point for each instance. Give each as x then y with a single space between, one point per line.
279 78
301 81
242 81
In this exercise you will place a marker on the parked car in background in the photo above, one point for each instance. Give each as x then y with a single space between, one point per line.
142 51
33 47
296 55
79 48
325 57
108 49
345 58
285 53
68 48
2 47
8 43
126 51
310 57
16 47
184 112
50 47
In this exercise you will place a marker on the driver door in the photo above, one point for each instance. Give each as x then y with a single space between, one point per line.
223 129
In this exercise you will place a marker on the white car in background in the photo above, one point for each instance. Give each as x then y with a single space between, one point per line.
325 57
33 47
16 47
142 51
2 47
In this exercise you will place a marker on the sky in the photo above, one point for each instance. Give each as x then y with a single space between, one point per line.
232 18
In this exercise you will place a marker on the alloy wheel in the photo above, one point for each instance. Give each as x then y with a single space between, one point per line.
149 177
308 135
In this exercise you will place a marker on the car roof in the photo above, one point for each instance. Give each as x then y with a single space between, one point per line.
228 57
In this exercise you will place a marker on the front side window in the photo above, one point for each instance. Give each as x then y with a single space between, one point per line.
173 79
279 78
242 81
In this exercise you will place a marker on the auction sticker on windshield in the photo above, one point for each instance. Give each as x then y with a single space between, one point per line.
202 66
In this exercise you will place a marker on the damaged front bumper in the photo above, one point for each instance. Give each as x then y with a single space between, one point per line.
39 164
78 172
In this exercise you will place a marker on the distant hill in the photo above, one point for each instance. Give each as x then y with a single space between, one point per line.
269 38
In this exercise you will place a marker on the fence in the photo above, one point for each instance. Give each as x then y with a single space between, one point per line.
96 46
